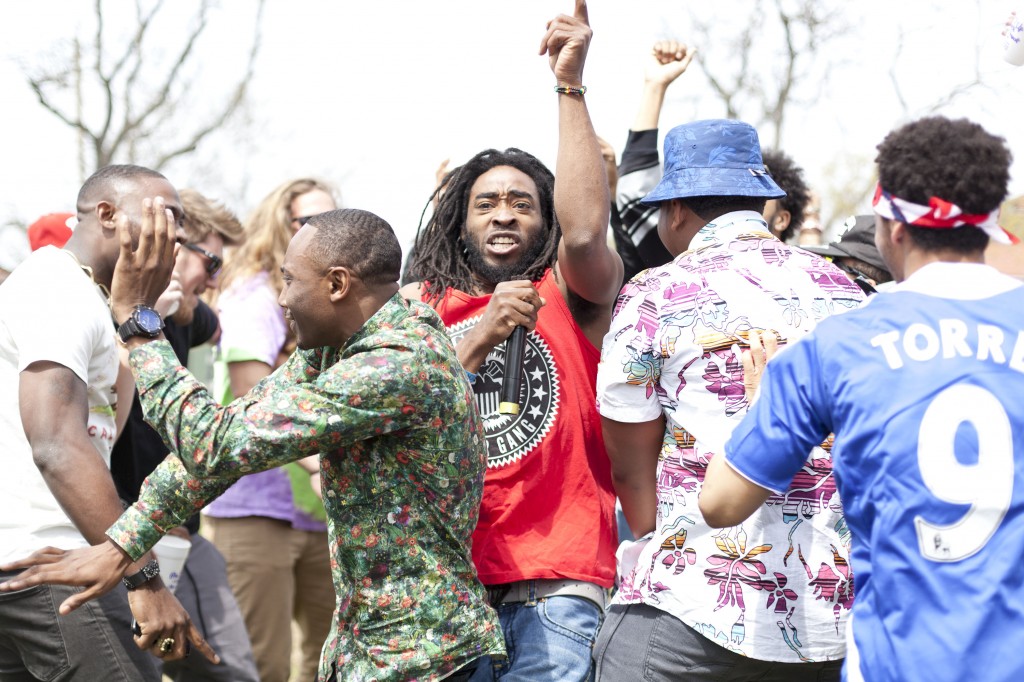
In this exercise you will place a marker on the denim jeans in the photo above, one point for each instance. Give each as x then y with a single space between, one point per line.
548 640
92 643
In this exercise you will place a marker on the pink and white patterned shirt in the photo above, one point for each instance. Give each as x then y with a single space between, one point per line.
777 587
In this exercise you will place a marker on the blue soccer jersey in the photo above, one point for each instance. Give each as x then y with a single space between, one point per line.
924 390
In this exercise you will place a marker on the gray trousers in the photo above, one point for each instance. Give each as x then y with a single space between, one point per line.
93 642
641 642
204 592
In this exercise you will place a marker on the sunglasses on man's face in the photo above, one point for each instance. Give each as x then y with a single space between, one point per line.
213 261
858 277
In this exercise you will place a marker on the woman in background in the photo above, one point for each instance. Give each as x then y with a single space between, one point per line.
270 526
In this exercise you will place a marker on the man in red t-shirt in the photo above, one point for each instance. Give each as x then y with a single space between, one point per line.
507 246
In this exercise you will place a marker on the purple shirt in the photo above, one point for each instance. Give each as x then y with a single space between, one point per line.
253 328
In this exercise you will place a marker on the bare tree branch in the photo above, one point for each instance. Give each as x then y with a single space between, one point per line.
136 110
968 86
742 47
765 70
144 21
105 81
233 104
977 80
134 52
893 78
160 99
776 113
37 87
79 103
136 45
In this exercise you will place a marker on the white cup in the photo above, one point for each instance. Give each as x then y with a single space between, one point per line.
171 551
1013 41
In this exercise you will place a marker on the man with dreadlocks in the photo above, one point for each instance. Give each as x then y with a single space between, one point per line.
509 245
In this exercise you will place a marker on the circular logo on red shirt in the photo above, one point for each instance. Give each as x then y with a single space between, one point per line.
510 437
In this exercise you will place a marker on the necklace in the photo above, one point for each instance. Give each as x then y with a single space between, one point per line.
88 270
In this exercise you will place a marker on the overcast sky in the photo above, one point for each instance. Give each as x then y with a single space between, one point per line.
372 96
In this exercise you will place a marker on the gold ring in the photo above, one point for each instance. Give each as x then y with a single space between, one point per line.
166 645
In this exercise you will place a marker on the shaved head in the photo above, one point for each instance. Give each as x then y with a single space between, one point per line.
111 182
359 240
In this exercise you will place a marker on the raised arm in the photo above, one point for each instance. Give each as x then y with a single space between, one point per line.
640 170
668 60
587 266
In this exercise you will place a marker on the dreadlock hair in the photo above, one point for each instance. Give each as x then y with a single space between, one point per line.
439 257
955 160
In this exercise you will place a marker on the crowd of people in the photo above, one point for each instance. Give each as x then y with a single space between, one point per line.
814 449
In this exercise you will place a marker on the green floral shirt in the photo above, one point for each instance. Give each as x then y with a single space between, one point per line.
402 461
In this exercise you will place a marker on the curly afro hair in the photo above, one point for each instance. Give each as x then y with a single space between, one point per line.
955 160
790 177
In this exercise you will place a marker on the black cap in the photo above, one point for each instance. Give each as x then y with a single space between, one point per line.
858 241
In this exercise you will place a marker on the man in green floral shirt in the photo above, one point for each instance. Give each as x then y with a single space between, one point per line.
375 389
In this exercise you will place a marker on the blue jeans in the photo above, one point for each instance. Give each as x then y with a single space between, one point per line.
549 640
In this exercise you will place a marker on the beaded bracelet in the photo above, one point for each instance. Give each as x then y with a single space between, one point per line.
569 90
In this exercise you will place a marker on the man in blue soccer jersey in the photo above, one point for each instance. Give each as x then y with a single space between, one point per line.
922 388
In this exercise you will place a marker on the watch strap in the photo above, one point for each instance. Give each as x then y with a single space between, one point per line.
148 572
127 329
131 327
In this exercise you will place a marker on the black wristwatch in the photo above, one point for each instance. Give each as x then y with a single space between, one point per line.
144 321
148 572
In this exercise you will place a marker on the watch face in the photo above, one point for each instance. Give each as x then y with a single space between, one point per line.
148 320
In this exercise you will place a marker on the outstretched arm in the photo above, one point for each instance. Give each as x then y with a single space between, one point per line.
586 265
667 62
771 444
727 498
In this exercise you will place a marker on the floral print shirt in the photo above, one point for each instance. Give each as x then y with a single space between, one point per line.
778 587
402 460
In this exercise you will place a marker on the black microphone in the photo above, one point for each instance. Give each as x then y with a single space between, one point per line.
511 384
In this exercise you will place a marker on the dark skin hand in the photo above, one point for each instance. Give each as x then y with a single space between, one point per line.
99 568
585 265
513 304
142 275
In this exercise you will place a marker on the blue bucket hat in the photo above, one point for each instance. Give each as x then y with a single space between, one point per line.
717 157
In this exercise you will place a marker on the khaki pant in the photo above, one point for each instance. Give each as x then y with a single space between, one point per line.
278 574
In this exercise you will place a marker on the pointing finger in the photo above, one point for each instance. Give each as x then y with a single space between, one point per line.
202 645
581 12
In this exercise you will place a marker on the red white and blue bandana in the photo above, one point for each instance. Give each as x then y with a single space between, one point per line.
938 214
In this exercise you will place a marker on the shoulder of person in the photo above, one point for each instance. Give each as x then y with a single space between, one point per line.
412 291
